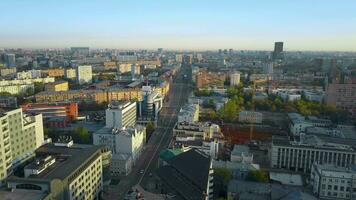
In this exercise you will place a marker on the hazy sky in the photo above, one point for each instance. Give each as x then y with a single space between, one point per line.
179 24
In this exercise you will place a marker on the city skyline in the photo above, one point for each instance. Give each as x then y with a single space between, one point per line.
198 25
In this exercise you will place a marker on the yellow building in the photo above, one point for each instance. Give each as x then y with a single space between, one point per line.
110 65
57 72
57 86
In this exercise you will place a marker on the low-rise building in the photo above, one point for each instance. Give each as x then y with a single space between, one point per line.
189 113
241 153
298 123
7 71
26 81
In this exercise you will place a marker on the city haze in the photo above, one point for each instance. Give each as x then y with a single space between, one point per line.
199 25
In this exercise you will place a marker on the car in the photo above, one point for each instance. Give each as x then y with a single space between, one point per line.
142 171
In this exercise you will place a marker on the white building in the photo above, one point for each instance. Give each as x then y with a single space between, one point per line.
20 136
121 114
299 123
300 155
27 81
184 131
189 113
235 78
241 153
126 145
250 117
17 89
29 74
316 96
333 182
84 74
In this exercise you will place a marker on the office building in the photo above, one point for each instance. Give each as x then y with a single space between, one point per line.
149 107
121 114
10 60
235 78
126 145
57 86
300 155
64 171
195 131
188 175
21 134
84 74
342 95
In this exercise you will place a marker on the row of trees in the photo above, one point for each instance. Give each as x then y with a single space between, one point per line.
240 100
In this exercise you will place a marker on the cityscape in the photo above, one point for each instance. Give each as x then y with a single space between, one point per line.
181 100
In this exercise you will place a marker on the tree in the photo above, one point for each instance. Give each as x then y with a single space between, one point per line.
150 128
39 87
257 176
229 111
82 135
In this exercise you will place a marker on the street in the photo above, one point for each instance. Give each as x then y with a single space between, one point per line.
177 97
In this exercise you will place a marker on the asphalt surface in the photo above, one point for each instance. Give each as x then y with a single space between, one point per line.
177 97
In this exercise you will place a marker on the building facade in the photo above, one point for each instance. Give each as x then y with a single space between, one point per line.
21 135
121 114
333 182
57 86
84 74
300 155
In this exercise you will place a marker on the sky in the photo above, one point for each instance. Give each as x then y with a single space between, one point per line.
326 25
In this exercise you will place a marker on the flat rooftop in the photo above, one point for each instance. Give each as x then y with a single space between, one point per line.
68 160
22 194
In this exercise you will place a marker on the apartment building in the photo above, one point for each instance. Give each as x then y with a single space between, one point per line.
20 135
205 78
17 89
342 95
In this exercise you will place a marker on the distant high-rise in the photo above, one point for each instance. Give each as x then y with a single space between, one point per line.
84 74
235 78
278 49
10 60
160 50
